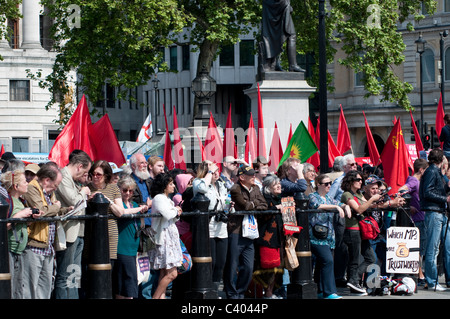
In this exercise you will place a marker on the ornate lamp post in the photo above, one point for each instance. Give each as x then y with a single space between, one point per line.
155 83
204 87
421 43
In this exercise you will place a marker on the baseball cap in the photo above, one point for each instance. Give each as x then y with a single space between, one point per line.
372 179
34 168
247 170
114 168
7 156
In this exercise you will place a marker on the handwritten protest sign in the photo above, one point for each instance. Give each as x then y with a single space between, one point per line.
288 215
402 254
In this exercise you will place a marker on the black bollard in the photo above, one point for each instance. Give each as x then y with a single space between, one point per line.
302 285
5 275
403 216
201 272
99 267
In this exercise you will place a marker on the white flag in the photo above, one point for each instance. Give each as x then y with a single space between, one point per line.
146 130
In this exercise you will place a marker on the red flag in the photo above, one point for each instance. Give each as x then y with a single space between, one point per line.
373 151
229 145
343 139
261 148
315 158
105 145
395 159
2 150
250 144
333 151
419 145
276 150
439 119
290 134
180 162
167 146
213 143
317 136
202 149
75 135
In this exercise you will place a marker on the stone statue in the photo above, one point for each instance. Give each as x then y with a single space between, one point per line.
278 28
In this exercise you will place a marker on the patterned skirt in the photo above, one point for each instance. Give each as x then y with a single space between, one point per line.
168 254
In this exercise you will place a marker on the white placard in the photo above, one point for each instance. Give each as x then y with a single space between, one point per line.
402 255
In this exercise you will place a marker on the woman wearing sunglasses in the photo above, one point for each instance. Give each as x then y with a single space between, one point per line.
353 197
322 237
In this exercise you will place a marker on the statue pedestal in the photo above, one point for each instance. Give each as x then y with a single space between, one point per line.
284 100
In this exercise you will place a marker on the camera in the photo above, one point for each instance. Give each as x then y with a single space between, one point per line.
221 217
35 211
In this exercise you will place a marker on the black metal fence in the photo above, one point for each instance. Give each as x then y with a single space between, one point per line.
99 269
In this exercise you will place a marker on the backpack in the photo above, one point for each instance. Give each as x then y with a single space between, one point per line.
369 228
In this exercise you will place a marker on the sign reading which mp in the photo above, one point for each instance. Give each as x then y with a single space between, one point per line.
403 248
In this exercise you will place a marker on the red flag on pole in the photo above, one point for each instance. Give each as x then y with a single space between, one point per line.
290 134
333 151
201 147
229 145
276 150
105 145
75 135
417 138
2 151
250 144
395 159
315 158
177 146
343 139
261 148
167 146
373 151
213 143
439 119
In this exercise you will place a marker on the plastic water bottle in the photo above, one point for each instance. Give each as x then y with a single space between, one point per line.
227 205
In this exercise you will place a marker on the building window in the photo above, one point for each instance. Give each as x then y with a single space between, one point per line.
110 96
227 55
13 33
428 66
446 5
186 57
162 60
173 58
246 53
19 90
20 144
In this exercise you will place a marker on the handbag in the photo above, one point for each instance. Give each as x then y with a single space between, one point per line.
186 263
320 231
291 260
369 228
250 227
60 238
147 239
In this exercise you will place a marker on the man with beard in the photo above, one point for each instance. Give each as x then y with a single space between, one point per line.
143 180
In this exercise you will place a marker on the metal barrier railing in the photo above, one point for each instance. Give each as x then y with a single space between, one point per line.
301 284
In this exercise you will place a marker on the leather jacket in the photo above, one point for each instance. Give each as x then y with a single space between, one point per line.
432 190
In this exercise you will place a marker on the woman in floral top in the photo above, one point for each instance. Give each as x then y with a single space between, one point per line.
322 247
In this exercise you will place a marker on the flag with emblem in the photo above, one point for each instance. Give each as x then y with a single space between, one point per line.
395 159
146 130
301 146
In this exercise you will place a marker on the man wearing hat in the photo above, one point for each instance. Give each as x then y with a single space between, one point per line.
31 171
247 197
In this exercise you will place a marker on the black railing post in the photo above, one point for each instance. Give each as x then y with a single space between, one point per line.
5 275
201 273
99 267
302 285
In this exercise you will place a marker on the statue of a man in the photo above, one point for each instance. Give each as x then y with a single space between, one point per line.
278 28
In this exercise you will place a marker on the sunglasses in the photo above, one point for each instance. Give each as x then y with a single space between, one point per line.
352 164
326 184
358 180
127 190
97 175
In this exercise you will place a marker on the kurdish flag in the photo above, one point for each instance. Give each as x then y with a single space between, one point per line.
301 146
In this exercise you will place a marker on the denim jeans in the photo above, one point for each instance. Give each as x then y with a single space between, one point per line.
436 224
68 270
325 269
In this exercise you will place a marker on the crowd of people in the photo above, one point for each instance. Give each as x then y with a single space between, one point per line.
44 256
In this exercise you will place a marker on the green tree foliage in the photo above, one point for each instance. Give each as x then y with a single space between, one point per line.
9 9
367 32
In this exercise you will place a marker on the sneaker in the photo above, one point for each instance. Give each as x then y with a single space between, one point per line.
356 287
438 287
333 296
